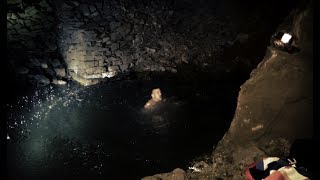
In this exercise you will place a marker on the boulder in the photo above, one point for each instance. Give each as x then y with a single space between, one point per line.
41 80
176 174
35 61
58 82
60 72
44 65
56 63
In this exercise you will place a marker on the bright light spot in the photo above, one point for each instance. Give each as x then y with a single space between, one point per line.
286 38
8 137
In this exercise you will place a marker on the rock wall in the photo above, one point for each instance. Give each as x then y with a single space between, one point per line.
99 39
89 41
32 45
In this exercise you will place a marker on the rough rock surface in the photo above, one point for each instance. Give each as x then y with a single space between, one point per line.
101 39
134 36
176 174
32 40
274 106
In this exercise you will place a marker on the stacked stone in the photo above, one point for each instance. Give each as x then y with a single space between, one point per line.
99 39
30 27
32 42
102 38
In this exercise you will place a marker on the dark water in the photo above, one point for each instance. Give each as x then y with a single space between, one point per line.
103 132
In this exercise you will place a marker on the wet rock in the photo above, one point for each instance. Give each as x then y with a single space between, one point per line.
27 22
75 3
114 47
66 6
23 31
50 72
124 67
92 8
17 27
52 46
114 61
35 61
137 40
44 65
102 63
60 72
41 80
124 30
118 53
150 50
44 4
84 9
14 16
95 70
114 25
58 82
115 36
172 70
84 81
129 38
177 174
22 70
199 166
56 63
131 15
31 10
94 14
112 71
106 40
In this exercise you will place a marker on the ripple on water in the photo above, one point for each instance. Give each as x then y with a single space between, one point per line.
92 130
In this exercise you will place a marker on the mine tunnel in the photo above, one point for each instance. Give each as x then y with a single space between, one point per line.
120 89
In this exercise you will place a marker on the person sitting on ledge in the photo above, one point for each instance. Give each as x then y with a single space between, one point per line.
156 97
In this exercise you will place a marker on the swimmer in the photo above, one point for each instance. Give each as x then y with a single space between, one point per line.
156 97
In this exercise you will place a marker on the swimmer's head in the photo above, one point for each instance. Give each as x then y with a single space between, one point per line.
156 95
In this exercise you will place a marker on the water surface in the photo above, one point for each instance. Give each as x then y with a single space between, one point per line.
103 132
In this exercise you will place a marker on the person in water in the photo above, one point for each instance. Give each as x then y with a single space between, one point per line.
156 97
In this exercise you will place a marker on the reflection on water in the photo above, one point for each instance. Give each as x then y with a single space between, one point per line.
103 131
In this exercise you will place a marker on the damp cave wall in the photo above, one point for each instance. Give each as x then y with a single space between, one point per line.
32 50
52 42
87 41
100 39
